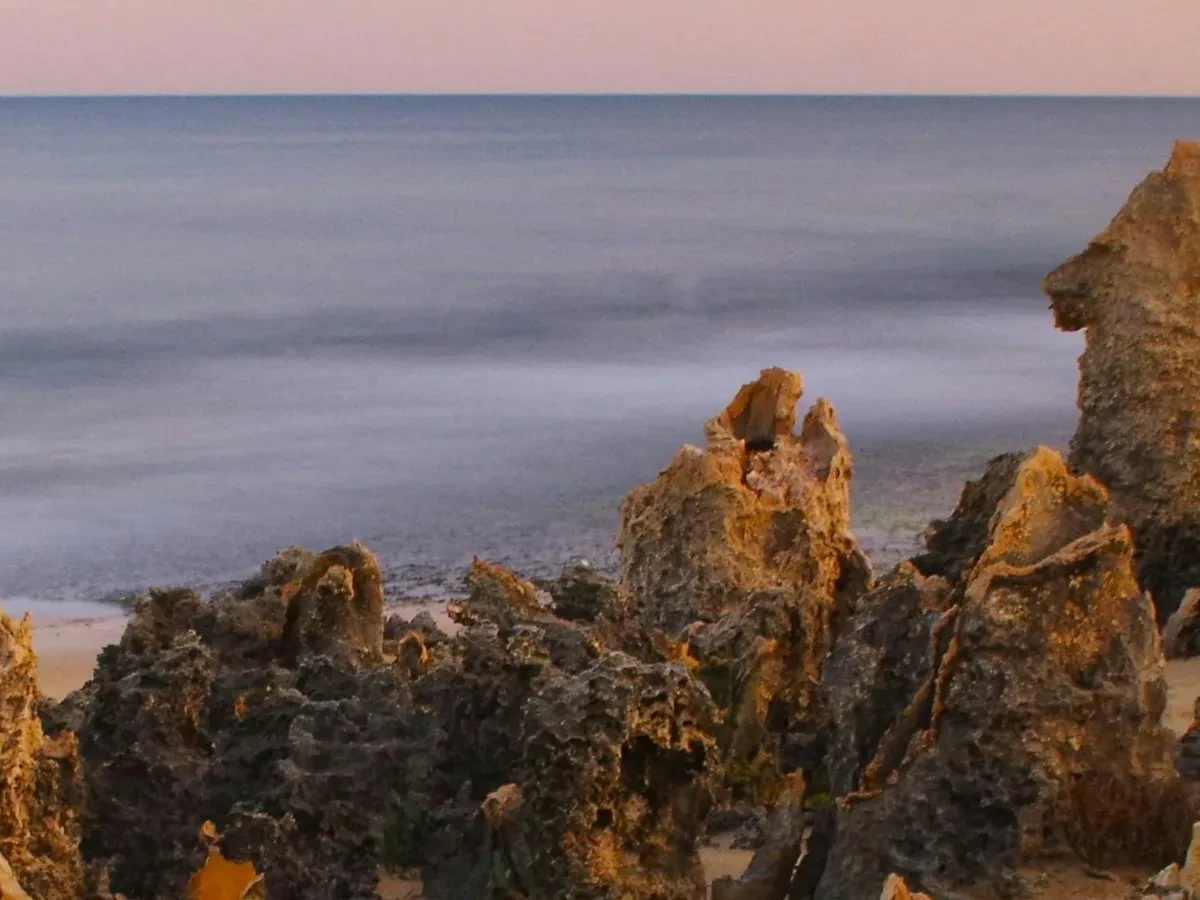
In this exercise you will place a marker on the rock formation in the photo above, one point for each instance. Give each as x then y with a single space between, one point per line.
1181 634
758 509
249 711
613 785
1029 723
742 552
39 780
281 738
1136 292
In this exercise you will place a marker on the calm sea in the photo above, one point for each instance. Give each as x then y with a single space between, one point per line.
450 326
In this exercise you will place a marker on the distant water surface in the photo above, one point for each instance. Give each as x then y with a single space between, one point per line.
449 326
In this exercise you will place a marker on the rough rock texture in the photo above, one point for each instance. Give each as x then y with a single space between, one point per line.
283 729
886 653
1136 292
762 666
1036 728
613 787
250 711
742 553
1181 634
39 779
758 509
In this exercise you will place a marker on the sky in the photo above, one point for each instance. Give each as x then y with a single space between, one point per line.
599 46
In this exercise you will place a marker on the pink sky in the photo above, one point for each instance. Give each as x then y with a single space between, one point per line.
786 46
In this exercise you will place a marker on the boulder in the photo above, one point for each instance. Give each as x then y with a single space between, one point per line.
40 790
1135 291
758 509
1035 729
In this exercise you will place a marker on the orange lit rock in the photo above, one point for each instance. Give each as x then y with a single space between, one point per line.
1035 730
1136 292
760 508
39 779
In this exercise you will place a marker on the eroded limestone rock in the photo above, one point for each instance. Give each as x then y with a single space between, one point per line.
1136 292
613 784
742 553
268 711
1035 730
39 779
759 509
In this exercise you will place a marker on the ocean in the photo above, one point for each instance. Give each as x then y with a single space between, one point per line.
450 326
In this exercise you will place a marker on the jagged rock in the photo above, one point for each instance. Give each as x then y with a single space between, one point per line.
762 667
953 545
240 711
39 779
1136 292
581 594
742 552
1181 635
883 657
759 509
1037 728
614 785
337 605
769 875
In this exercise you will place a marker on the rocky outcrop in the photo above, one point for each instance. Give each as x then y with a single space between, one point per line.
1136 292
256 711
1034 728
742 553
886 653
39 780
612 788
758 509
282 738
1181 634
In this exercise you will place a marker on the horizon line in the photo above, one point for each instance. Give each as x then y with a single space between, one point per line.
283 95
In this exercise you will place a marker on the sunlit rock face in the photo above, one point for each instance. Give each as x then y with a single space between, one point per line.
1135 291
39 780
1010 712
742 553
758 508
